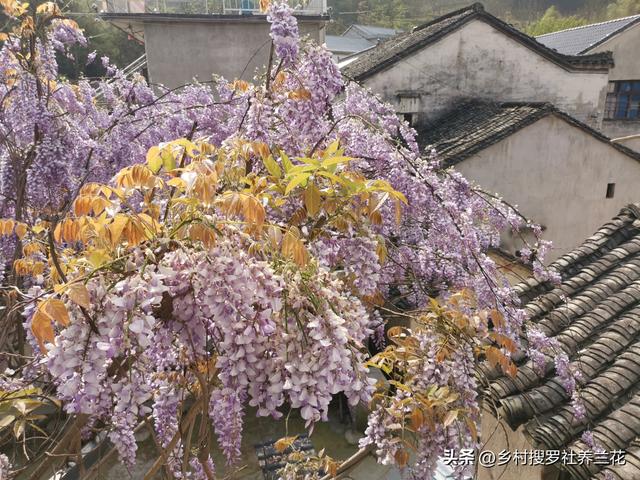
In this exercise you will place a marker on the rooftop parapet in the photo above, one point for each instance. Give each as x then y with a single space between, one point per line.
206 7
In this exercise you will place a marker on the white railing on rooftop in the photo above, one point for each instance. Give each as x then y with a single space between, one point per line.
207 7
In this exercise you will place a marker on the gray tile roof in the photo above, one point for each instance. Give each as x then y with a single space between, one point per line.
594 314
370 32
580 40
394 49
336 43
473 126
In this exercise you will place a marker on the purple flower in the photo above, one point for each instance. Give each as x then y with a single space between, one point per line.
284 31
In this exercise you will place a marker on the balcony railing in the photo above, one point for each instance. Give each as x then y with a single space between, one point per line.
207 7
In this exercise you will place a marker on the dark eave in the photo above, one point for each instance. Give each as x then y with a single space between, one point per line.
475 125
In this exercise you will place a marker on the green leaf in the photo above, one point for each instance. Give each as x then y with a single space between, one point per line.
297 180
272 166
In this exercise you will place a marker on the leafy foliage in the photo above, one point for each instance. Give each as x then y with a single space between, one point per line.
553 21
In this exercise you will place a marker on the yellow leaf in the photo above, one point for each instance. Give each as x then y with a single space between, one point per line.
56 310
21 230
295 181
312 199
417 418
451 416
286 163
42 329
332 468
264 5
97 257
177 182
240 85
78 293
300 94
284 443
332 148
294 248
6 227
272 166
116 228
49 8
3 37
154 159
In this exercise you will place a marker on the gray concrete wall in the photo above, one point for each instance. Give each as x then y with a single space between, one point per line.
478 61
180 50
557 174
627 67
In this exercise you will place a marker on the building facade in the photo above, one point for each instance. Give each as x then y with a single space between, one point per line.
470 54
621 107
187 40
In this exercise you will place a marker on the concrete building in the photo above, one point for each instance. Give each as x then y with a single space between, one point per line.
356 39
342 47
187 39
512 115
469 54
622 37
551 166
594 315
371 33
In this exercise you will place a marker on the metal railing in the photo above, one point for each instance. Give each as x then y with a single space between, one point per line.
207 7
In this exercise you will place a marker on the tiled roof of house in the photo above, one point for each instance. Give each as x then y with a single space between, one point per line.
370 32
337 43
391 51
475 125
594 314
579 40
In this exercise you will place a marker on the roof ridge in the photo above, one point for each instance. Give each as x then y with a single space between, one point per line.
476 7
589 25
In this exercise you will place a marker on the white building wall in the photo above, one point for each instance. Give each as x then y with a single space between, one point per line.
626 57
557 174
478 61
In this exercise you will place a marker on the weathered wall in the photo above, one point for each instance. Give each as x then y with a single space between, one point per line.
179 50
478 61
625 54
557 174
627 67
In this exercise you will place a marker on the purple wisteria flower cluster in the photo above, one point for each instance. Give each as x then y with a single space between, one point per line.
284 31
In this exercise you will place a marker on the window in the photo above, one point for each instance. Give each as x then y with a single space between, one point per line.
611 190
409 117
623 100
